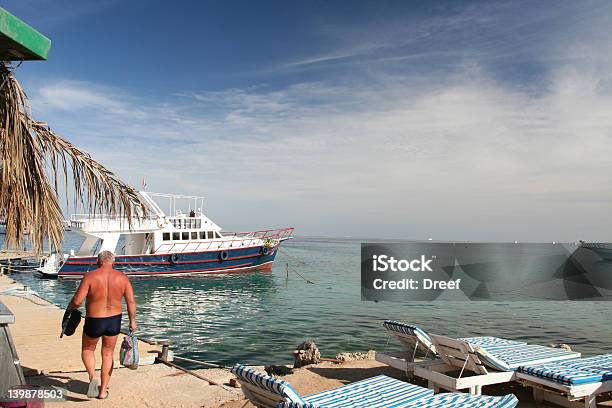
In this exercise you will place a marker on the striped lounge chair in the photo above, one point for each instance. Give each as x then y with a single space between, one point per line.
419 346
569 383
376 392
490 360
488 364
420 350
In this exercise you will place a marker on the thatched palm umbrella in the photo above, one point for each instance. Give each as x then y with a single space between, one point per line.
33 159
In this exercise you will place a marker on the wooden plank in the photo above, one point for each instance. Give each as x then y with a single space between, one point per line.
36 336
395 360
401 361
573 391
458 353
454 384
8 254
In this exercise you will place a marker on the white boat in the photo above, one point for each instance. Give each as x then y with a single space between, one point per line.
186 242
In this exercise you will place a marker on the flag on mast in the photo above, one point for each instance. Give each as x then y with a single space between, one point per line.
143 183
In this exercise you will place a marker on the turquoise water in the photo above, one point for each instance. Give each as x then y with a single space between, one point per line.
260 317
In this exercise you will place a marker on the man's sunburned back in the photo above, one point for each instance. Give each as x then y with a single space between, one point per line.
106 289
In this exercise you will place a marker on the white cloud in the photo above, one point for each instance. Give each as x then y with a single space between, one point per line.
453 155
74 95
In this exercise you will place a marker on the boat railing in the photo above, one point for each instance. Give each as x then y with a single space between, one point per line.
104 221
88 217
280 234
228 241
185 222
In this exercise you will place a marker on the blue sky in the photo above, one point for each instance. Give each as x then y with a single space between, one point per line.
453 120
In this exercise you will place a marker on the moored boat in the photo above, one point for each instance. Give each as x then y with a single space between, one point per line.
602 249
184 243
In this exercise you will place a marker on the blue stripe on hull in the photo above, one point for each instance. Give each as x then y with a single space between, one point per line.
239 259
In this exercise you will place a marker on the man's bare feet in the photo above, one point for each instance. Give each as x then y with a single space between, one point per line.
103 394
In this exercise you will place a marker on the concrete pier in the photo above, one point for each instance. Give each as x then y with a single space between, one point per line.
36 334
48 360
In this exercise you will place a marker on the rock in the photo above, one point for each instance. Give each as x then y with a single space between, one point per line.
561 346
275 370
356 356
305 354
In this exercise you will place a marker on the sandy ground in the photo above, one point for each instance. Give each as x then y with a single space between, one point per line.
162 386
149 386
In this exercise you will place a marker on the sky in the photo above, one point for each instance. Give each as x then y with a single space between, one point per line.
409 119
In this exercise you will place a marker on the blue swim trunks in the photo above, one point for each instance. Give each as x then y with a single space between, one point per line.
102 326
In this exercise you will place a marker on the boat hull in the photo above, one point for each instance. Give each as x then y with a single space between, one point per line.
234 260
603 252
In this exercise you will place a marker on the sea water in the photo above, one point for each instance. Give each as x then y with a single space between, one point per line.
259 317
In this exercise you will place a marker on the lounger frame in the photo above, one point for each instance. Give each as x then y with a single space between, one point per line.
571 396
407 360
260 397
456 355
452 355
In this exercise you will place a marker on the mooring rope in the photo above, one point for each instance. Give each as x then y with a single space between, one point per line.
292 258
288 268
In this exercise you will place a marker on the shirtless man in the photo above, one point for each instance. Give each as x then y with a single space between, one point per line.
103 289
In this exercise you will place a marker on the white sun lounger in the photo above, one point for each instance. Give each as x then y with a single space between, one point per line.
471 363
418 347
571 383
463 365
376 392
420 350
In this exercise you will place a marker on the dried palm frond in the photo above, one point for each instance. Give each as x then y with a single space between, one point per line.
29 151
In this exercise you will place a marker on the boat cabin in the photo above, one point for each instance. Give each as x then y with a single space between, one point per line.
187 230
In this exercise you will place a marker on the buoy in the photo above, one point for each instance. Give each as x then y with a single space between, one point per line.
265 250
174 258
223 255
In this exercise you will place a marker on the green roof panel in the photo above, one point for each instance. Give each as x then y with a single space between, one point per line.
19 41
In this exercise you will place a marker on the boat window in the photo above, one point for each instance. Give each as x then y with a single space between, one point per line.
176 236
185 235
166 236
202 234
198 224
211 235
194 235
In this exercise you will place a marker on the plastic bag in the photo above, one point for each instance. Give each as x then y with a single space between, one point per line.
128 354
